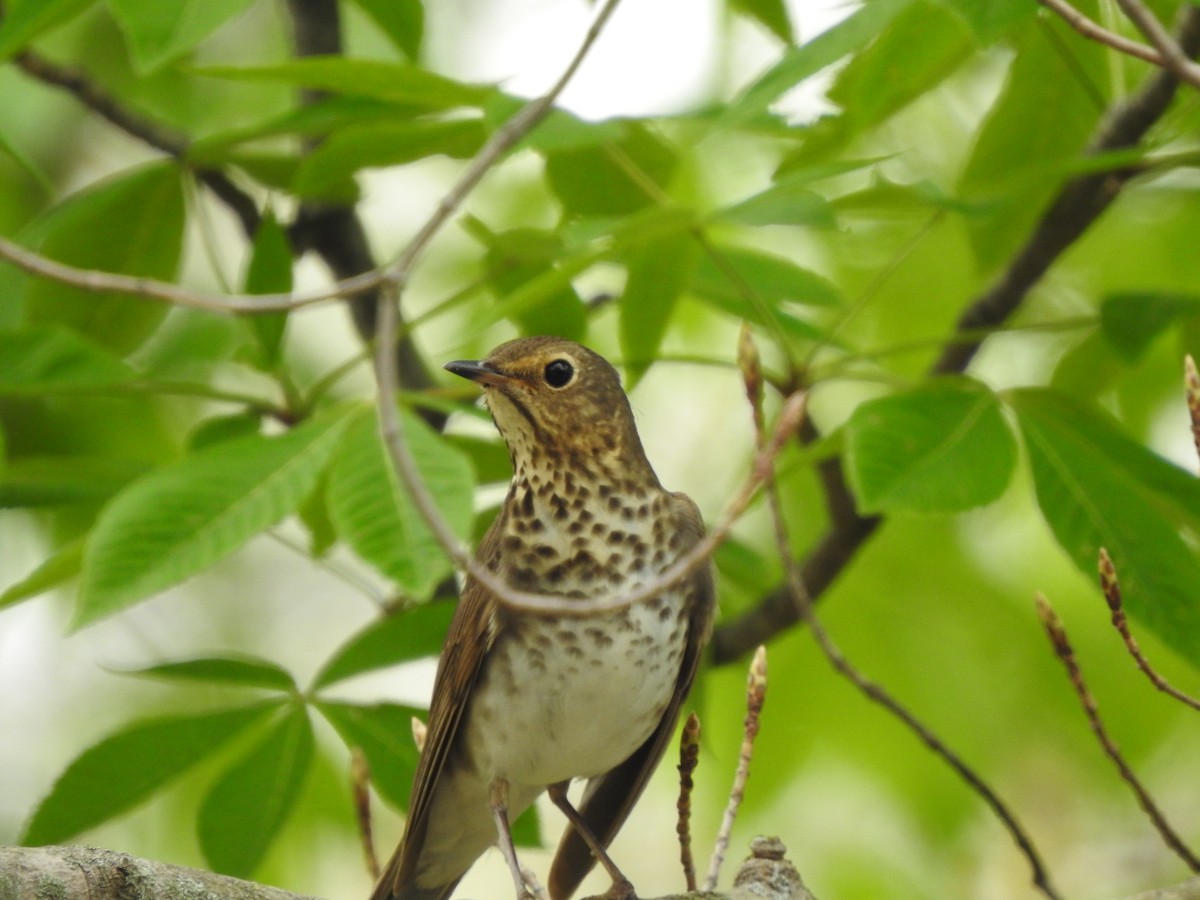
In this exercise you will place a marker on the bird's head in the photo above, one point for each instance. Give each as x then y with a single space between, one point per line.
556 401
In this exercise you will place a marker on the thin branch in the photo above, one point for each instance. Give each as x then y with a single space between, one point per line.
1112 594
1173 56
393 436
153 289
1094 31
756 694
689 758
386 377
1073 210
1062 649
801 602
877 694
96 98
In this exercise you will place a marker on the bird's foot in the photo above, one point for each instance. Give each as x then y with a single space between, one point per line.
621 890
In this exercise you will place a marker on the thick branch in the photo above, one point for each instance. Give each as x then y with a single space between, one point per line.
49 873
1073 210
333 230
34 873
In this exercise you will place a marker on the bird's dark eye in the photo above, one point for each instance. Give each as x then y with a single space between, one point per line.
559 373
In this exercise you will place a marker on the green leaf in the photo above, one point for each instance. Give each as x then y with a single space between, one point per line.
383 732
315 120
243 671
403 21
771 14
269 272
43 359
182 519
63 565
605 179
132 225
32 481
991 19
658 273
1131 321
374 514
314 513
123 769
416 633
802 62
604 239
515 258
25 20
1098 488
161 30
787 202
250 803
773 279
391 81
1028 137
384 144
943 447
887 75
219 429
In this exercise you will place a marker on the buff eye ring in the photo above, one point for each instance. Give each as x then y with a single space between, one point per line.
558 374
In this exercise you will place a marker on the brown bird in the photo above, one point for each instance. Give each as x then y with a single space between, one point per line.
524 702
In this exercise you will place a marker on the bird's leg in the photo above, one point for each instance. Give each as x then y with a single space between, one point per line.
498 800
621 888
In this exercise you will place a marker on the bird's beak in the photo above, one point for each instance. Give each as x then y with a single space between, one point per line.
478 371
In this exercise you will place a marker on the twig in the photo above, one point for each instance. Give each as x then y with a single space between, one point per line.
360 781
1191 385
153 289
1077 205
801 603
1112 593
1062 649
1094 31
1173 56
756 694
689 758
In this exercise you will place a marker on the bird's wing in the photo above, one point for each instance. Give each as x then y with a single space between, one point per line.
610 797
467 643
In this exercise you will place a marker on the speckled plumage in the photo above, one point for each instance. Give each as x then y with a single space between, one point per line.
537 699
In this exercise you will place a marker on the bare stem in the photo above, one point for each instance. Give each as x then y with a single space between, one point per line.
756 694
1112 593
1062 649
689 758
1191 384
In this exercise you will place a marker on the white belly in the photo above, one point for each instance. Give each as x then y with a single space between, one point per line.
589 693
